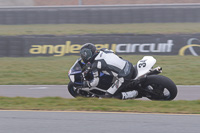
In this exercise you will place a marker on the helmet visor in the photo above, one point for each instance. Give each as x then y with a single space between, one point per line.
86 54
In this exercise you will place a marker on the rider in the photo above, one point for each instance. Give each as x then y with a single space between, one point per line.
109 63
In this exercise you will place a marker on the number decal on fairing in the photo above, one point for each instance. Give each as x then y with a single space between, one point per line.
142 64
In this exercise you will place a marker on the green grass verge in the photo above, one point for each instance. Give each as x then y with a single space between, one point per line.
71 29
93 104
183 70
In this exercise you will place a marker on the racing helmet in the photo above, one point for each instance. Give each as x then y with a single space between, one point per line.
87 51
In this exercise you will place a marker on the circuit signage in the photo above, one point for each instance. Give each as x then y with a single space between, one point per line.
192 43
125 48
27 46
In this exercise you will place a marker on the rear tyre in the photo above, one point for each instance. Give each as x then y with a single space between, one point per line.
159 87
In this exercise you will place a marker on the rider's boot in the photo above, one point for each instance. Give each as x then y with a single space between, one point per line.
129 94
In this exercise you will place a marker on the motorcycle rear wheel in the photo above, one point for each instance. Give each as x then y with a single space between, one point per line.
159 87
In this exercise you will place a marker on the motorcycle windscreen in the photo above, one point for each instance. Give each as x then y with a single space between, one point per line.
76 68
75 73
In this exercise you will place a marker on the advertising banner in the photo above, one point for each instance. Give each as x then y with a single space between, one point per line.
50 45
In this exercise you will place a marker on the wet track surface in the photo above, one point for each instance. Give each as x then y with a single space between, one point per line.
184 92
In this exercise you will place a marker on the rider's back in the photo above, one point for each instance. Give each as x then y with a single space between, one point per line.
110 63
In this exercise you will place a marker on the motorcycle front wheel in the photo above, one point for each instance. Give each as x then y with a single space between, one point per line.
72 89
158 87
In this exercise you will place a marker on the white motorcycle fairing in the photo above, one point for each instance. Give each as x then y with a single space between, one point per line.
145 65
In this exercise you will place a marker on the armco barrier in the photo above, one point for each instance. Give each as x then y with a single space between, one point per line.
49 45
100 14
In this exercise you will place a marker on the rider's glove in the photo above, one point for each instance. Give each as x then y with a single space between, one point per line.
86 69
85 73
88 66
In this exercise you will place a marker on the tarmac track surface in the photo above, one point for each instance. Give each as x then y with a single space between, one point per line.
185 92
90 122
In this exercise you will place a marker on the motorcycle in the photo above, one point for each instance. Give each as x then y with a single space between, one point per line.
147 81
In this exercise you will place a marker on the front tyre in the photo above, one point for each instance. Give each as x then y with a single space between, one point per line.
72 89
159 87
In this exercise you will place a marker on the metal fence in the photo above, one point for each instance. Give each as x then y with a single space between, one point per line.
100 14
